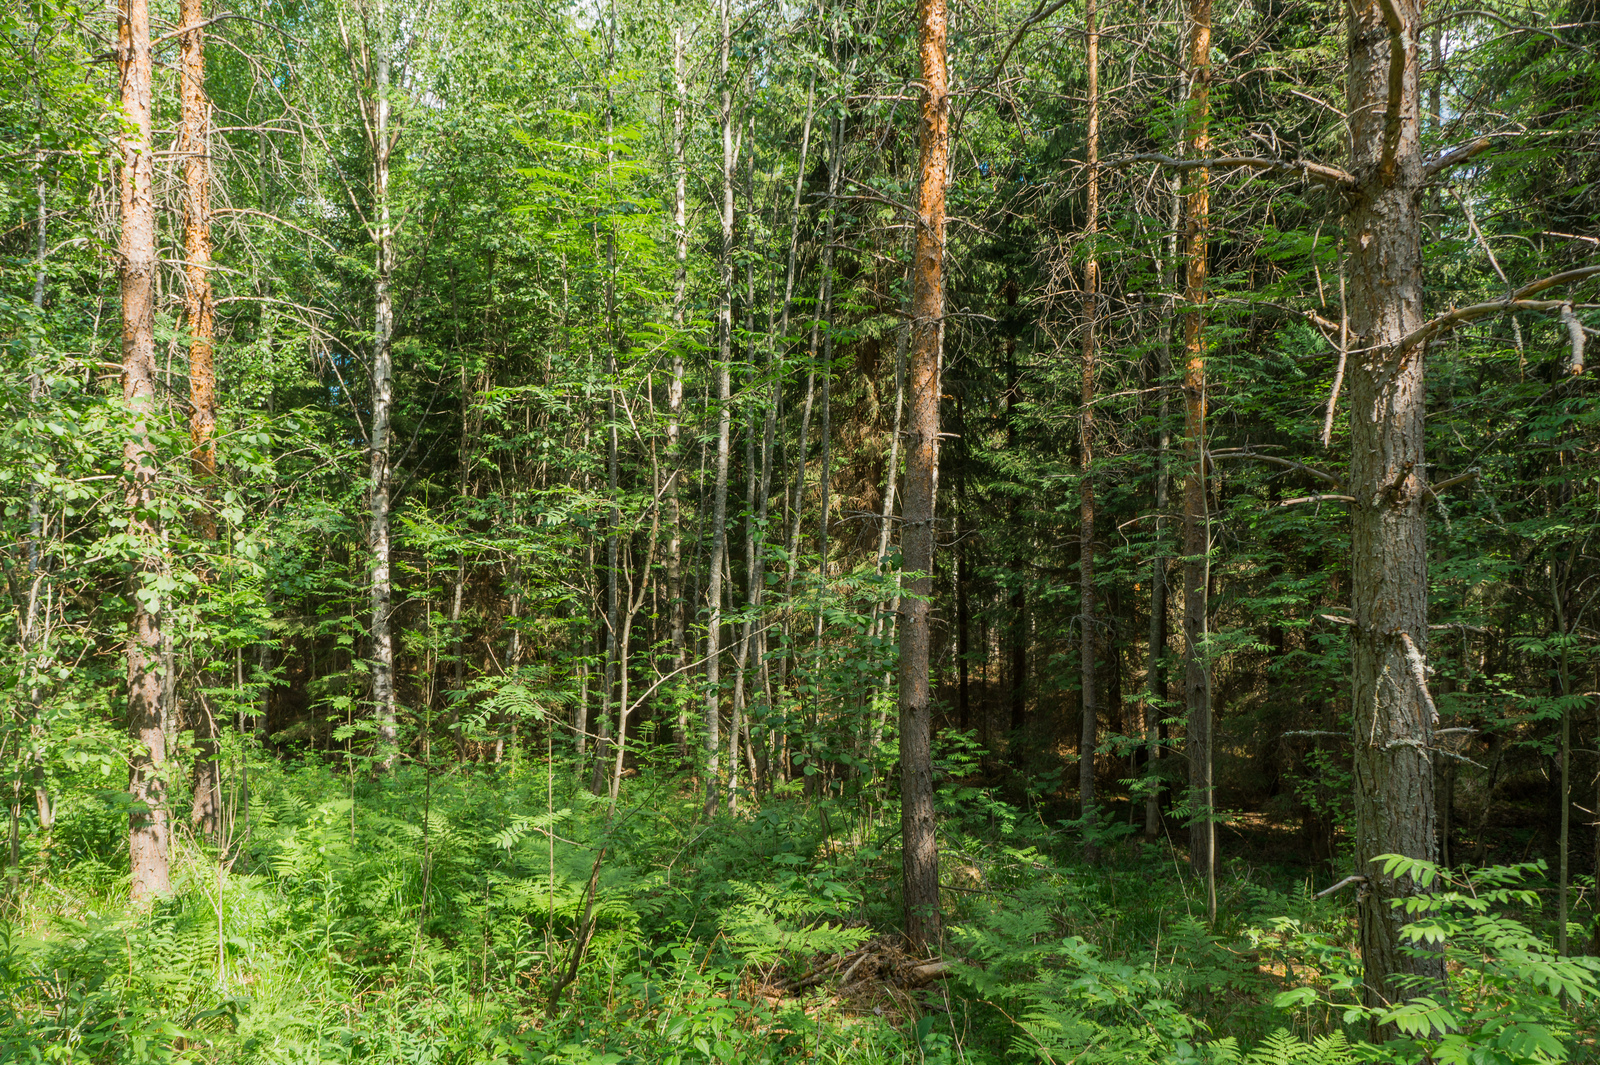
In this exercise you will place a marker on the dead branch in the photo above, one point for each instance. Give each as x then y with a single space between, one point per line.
1328 175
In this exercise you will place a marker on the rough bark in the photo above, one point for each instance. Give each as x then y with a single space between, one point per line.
920 855
1394 806
148 828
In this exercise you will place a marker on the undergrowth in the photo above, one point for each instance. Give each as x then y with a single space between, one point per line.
428 919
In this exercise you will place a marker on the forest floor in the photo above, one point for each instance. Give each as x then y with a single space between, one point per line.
433 918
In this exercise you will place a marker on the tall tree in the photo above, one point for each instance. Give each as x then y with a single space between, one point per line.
1196 525
194 146
371 63
719 501
1394 718
919 845
148 828
1091 297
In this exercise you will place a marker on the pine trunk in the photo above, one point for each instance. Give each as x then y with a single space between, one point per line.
1394 808
920 854
1196 522
148 828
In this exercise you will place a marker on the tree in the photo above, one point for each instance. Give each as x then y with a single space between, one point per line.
1394 715
198 311
920 853
1196 526
148 828
1091 300
371 69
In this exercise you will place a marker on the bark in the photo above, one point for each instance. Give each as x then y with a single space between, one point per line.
148 829
680 275
193 145
719 502
613 663
1196 522
1086 513
1395 811
920 855
1155 673
379 473
825 476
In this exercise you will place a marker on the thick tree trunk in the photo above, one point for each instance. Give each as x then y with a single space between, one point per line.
1196 523
382 403
1394 807
1091 295
148 828
719 503
919 846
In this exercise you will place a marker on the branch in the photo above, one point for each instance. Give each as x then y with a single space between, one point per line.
1517 301
1246 453
1329 175
274 218
1435 489
1320 498
1346 882
1397 77
1456 156
1419 672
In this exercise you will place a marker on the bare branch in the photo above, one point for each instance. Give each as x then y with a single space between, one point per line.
1456 156
1246 453
1322 498
1435 489
1328 175
1518 301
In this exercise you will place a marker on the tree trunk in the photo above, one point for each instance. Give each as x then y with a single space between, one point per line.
1196 522
920 854
680 275
382 402
1155 674
719 502
613 663
1394 806
148 829
1091 295
193 144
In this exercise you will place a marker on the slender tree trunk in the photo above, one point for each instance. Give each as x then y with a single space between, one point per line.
148 829
34 647
194 145
680 274
613 664
1196 522
1394 807
382 403
1155 674
919 845
887 618
719 503
1086 514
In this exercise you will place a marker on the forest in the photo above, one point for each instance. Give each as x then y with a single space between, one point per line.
654 532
